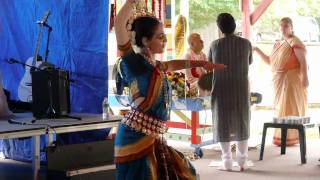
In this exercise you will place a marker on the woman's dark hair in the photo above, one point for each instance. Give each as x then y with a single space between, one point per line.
226 23
144 26
287 20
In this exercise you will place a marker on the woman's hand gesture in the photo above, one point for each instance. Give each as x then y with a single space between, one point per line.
210 66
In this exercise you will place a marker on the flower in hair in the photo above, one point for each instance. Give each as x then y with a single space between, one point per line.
133 38
139 10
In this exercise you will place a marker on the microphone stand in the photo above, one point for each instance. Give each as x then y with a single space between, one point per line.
51 112
48 39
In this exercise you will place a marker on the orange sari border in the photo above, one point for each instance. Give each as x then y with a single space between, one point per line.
289 142
133 156
154 90
292 63
134 151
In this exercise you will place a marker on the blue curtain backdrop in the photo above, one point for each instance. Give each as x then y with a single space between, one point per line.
78 44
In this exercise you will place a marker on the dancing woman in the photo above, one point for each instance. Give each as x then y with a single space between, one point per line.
140 151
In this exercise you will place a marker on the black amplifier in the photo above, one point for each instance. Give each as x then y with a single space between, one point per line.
50 93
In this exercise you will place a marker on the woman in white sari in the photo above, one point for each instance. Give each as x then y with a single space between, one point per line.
290 78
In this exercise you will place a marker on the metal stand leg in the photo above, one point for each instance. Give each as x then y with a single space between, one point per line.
263 141
283 140
302 138
36 157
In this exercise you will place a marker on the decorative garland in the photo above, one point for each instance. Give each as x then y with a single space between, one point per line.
159 9
153 6
113 12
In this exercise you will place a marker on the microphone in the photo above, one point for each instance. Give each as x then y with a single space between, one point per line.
41 22
44 18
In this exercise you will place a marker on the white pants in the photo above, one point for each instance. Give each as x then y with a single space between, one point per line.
242 153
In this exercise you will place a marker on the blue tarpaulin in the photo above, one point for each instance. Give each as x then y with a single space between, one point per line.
78 43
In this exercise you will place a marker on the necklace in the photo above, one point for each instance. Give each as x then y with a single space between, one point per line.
149 60
167 95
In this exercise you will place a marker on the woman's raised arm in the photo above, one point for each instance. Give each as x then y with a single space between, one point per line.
121 20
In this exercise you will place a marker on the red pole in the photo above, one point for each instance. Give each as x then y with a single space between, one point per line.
195 139
261 8
246 24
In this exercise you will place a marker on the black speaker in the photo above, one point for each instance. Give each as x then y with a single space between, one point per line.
50 93
91 160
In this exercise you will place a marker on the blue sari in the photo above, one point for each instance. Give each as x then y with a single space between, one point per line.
138 155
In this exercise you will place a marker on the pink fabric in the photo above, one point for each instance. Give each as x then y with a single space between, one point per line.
194 74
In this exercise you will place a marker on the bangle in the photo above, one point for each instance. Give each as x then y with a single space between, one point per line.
187 64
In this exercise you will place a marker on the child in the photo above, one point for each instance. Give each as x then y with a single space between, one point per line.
195 53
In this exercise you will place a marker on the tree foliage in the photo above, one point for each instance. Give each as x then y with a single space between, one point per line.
203 12
269 21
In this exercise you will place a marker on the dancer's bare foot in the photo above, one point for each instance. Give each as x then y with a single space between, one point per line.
241 168
244 168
